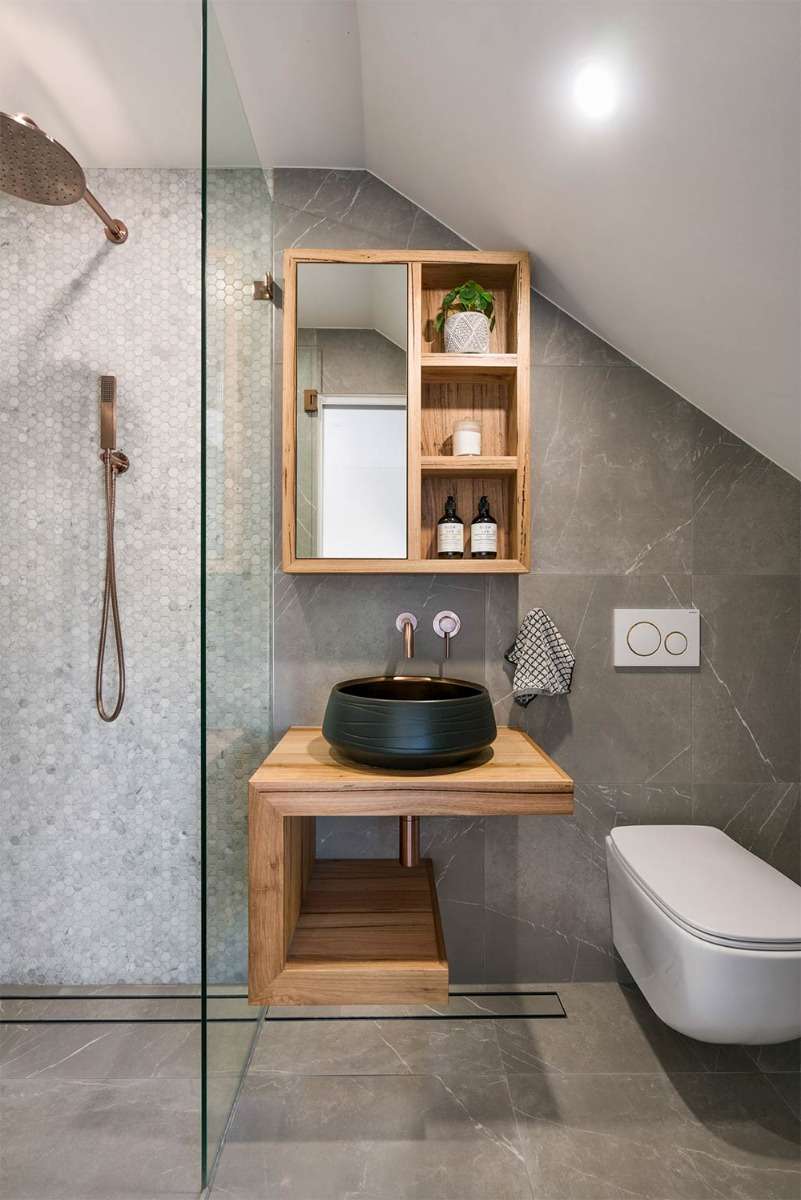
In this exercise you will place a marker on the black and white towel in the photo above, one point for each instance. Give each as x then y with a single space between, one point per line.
542 659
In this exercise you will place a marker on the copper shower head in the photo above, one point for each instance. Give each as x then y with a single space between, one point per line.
34 166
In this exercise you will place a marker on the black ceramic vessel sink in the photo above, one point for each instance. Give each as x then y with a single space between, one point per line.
409 721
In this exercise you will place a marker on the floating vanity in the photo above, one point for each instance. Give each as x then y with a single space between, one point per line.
362 931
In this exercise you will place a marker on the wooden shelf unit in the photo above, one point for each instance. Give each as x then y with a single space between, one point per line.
365 931
442 388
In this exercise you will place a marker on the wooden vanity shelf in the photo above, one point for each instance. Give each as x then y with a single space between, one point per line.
364 931
442 388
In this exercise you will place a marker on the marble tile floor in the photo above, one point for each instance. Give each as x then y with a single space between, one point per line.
606 1104
100 1089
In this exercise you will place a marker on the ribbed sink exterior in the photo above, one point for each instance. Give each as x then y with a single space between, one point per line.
409 722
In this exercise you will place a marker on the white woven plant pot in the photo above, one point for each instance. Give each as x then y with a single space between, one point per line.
467 333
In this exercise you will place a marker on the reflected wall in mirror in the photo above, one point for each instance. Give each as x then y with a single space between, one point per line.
351 425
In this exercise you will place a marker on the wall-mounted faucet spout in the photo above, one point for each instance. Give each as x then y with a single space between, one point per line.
406 623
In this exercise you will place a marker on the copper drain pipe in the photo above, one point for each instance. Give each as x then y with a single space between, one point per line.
409 830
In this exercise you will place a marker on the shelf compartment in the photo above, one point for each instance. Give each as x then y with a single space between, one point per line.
466 489
468 464
439 365
489 400
500 278
368 932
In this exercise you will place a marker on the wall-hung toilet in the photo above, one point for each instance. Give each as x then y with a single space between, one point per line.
710 932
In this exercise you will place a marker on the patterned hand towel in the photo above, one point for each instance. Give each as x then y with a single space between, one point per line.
542 659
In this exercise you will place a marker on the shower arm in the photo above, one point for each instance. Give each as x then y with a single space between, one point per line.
116 231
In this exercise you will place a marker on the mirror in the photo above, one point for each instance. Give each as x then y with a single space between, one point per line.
351 410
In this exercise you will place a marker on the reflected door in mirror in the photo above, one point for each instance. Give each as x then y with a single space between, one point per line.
351 411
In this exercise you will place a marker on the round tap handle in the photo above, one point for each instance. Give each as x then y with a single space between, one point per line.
447 624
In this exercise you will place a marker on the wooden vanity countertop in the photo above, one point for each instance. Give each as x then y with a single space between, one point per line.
513 776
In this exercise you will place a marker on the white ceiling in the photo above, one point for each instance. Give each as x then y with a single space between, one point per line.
354 296
671 229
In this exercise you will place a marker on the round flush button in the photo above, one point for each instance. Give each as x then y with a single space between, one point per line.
676 642
644 638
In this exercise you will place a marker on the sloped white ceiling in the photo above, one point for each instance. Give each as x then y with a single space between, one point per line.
671 228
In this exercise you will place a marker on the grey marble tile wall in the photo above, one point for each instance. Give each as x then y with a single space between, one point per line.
639 499
99 835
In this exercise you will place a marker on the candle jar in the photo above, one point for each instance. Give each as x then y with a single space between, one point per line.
466 437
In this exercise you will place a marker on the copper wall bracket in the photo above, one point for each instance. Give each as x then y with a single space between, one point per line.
263 288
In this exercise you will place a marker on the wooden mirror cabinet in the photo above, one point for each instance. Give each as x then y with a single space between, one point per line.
441 389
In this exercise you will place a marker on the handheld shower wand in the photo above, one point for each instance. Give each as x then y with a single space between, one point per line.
114 463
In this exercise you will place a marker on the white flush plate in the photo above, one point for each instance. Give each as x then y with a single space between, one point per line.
657 637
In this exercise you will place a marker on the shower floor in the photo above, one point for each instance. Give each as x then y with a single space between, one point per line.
100 1089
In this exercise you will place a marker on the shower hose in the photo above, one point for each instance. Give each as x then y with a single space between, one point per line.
114 464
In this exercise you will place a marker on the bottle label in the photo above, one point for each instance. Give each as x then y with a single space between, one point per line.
450 538
484 537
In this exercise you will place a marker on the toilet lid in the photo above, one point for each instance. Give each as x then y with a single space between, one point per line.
712 885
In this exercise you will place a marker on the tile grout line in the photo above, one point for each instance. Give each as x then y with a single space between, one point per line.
513 1111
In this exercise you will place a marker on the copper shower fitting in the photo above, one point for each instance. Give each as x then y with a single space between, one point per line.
114 463
36 167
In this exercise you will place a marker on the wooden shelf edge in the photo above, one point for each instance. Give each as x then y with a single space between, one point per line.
405 566
478 464
465 364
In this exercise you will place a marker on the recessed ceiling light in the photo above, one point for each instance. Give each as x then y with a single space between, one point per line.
595 91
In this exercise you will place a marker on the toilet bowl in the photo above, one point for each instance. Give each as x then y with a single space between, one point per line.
710 932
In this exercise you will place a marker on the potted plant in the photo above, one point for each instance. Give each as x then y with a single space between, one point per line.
467 315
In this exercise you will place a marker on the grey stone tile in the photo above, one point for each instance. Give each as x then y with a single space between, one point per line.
612 452
502 621
746 695
464 931
99 1140
355 200
682 1137
319 191
357 837
334 627
763 817
546 887
788 1085
609 1030
455 846
559 341
747 510
616 725
373 1138
99 1051
781 1056
375 1047
427 231
298 227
